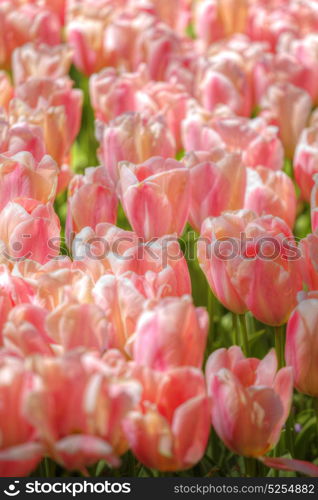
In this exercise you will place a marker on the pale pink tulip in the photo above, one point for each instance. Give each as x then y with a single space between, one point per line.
207 22
135 138
92 186
20 451
113 93
250 400
80 438
309 251
22 177
314 205
29 230
218 182
22 137
287 107
272 193
53 105
306 160
251 263
170 430
6 90
171 334
155 196
301 351
40 61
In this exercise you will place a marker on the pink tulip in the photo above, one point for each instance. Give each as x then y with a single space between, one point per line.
134 138
73 325
208 25
171 334
218 182
26 22
53 105
22 177
306 161
170 430
29 230
57 7
287 107
20 452
6 90
176 15
155 196
91 186
251 263
113 93
314 205
272 193
309 251
301 351
250 400
25 331
40 61
257 142
80 438
22 137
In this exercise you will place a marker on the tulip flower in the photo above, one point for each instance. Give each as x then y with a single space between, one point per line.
251 263
170 431
53 105
309 252
40 61
306 161
287 107
22 177
270 192
218 182
6 90
171 334
80 438
22 137
20 452
314 205
250 400
208 25
155 196
91 186
301 351
114 93
233 15
134 138
29 230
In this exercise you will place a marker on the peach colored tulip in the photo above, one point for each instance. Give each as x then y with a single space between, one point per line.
22 137
113 93
272 193
257 142
155 196
40 61
102 207
135 138
22 177
170 430
25 23
73 325
314 205
306 160
250 400
176 15
80 438
309 251
301 351
53 105
287 107
25 332
6 90
19 452
171 334
233 15
251 263
30 230
218 182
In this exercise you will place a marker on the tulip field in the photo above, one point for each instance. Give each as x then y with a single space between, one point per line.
158 238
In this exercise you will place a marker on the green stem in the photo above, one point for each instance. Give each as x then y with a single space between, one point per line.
290 434
211 312
236 329
280 345
242 320
315 406
250 467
